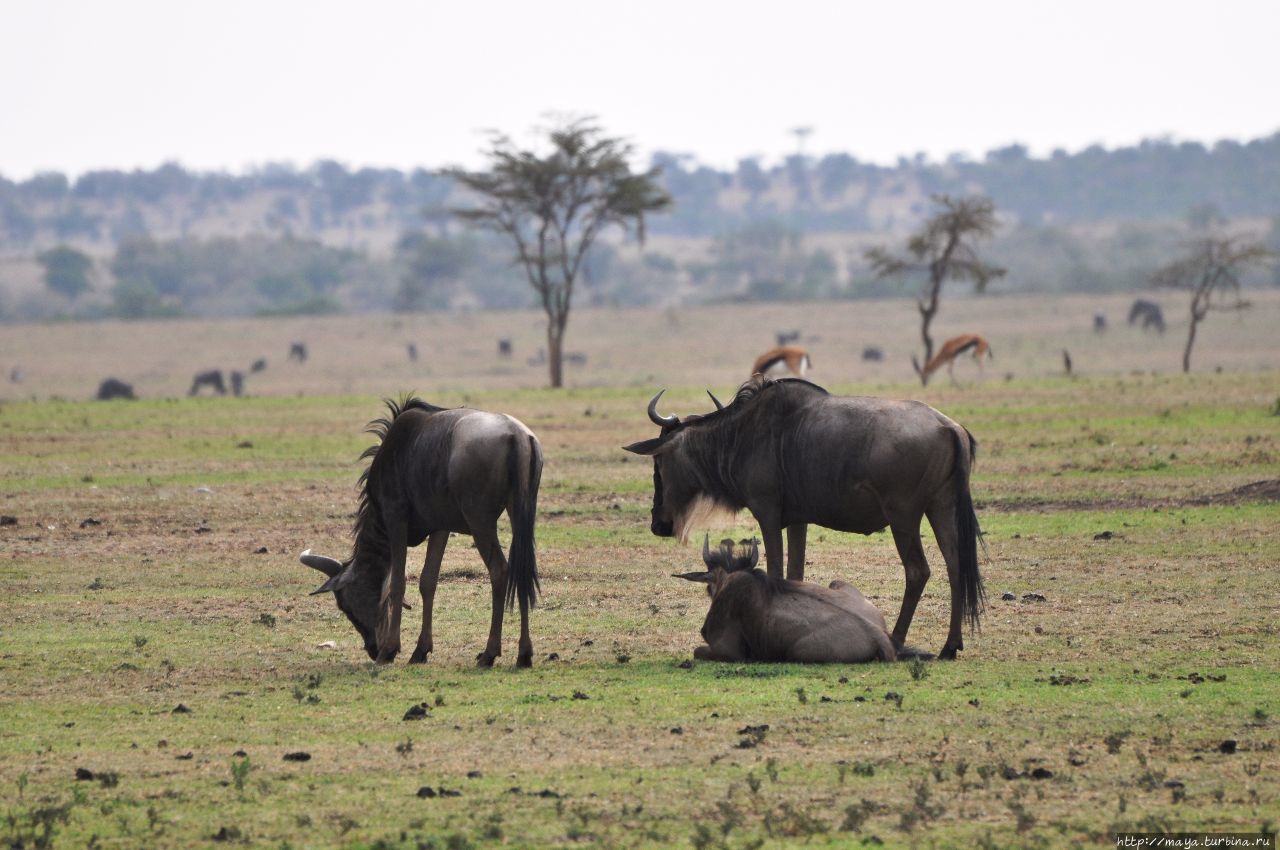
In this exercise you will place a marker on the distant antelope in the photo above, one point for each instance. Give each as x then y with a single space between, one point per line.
951 349
783 362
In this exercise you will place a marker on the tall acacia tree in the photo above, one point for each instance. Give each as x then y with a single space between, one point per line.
1210 271
553 205
943 249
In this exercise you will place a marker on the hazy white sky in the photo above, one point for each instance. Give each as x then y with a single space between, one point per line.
231 84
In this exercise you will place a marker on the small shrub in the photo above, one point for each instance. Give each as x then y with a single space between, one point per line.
919 670
240 773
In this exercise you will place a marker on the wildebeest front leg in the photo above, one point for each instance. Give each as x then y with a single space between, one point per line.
771 531
427 586
496 562
906 536
795 550
388 630
726 645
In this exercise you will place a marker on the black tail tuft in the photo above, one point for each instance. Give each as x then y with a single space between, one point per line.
968 534
522 577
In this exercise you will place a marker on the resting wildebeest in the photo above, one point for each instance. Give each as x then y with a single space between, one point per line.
211 379
1148 313
436 471
793 454
115 388
755 617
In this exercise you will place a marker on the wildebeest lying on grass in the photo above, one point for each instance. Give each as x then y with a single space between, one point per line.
792 454
754 617
436 471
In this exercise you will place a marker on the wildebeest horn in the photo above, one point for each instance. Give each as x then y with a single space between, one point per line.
661 421
704 578
707 557
715 400
328 566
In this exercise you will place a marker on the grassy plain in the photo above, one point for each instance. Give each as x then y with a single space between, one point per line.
1154 644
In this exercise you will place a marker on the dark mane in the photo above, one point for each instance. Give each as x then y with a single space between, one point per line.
367 531
750 390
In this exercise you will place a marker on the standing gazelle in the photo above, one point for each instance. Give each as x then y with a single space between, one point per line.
951 349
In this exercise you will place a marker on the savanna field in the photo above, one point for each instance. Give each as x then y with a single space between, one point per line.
167 682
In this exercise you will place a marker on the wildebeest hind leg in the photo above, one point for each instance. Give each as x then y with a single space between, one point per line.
944 530
906 536
525 658
491 551
427 585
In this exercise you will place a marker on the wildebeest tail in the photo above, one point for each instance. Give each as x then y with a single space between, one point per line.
524 467
967 530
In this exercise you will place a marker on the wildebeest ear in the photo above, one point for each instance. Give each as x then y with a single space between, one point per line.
328 566
336 582
644 447
704 578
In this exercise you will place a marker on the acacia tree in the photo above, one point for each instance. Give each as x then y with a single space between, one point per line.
1210 271
943 249
554 205
66 271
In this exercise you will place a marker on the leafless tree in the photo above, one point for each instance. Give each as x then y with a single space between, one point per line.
1210 271
943 249
554 205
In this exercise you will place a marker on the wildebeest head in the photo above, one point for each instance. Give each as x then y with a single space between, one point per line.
676 492
724 562
357 592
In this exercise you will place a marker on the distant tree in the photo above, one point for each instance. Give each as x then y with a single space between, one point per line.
943 249
752 179
553 206
1210 271
66 271
432 266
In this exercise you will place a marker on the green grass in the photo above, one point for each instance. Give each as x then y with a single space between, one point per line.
1149 650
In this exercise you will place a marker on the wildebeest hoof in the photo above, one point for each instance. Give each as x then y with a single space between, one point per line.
484 659
419 656
948 653
524 660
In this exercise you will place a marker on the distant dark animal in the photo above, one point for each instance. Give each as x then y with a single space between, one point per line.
951 349
298 351
114 388
787 337
412 351
1066 361
436 471
755 617
793 454
1099 323
781 362
237 383
258 365
872 354
16 375
504 347
211 379
1148 313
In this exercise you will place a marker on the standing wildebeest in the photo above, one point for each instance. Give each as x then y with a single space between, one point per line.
237 383
1148 313
436 471
1099 323
787 337
258 365
504 347
792 454
211 379
755 617
298 351
783 361
115 388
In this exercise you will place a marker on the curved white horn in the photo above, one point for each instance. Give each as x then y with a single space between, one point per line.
324 564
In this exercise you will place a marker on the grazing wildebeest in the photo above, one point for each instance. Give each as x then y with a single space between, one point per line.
1099 323
783 361
755 617
237 383
1148 313
298 351
787 337
211 379
436 471
504 347
793 454
258 365
951 349
114 388
873 354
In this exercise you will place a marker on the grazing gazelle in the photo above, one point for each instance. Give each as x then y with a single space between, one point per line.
785 361
754 617
951 349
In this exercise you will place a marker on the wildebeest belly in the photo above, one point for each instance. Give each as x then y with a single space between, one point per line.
857 510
